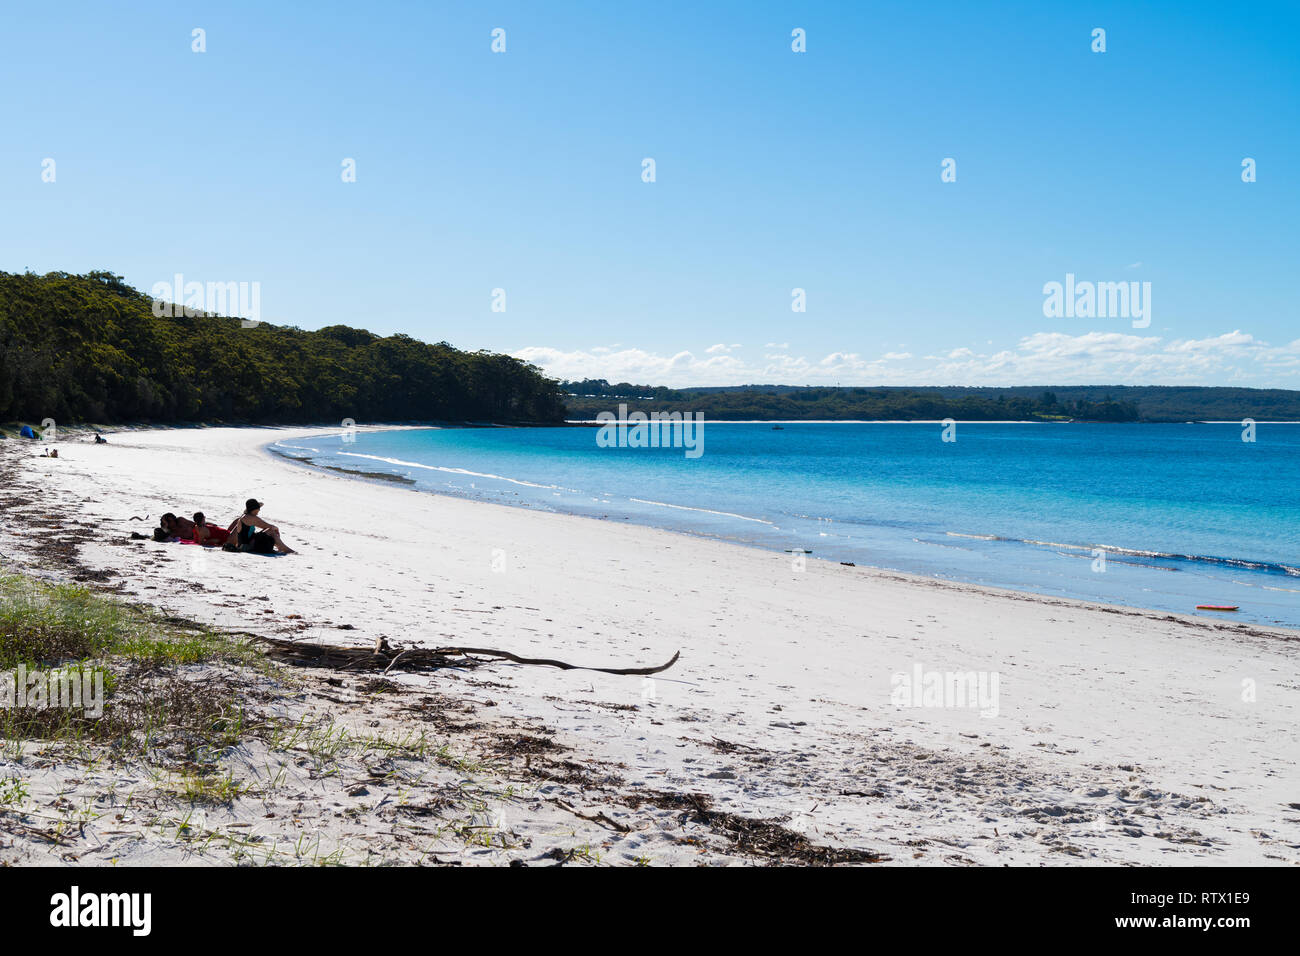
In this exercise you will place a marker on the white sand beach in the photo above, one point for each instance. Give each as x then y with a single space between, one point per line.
1117 736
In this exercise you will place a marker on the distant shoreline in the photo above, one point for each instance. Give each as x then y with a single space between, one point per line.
9 430
939 421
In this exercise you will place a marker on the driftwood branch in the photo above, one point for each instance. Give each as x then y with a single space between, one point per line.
385 658
547 662
593 817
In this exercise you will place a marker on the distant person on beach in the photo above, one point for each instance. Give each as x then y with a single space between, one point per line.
100 439
177 527
208 535
255 536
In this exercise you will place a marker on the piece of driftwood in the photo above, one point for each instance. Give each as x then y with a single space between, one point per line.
384 658
547 662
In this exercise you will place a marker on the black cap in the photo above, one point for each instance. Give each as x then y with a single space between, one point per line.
252 504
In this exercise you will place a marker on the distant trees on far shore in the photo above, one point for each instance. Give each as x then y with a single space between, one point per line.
1104 403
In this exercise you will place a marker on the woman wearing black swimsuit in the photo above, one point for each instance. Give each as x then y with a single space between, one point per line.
254 535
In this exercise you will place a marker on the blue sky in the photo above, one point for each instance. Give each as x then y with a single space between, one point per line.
775 170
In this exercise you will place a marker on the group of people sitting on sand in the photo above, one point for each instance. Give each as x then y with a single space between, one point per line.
247 533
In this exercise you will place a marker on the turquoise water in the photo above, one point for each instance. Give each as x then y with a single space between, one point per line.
1186 514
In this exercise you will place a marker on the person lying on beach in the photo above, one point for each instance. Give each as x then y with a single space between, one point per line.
177 527
255 536
208 535
100 439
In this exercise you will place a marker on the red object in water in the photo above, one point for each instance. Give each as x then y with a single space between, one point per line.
1216 607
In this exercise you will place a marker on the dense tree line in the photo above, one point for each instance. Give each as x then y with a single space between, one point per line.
793 404
591 387
1114 403
88 348
1179 403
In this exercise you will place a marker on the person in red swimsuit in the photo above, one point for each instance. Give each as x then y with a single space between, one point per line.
209 535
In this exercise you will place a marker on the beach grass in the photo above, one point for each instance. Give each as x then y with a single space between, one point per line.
180 702
155 694
43 625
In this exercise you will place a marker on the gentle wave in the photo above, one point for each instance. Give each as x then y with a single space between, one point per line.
452 471
940 544
707 511
1266 566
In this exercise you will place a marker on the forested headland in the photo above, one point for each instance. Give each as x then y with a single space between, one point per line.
88 348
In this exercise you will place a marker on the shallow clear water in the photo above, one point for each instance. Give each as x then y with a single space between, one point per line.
1186 514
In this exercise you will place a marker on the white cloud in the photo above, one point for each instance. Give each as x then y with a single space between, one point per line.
1054 358
1228 340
